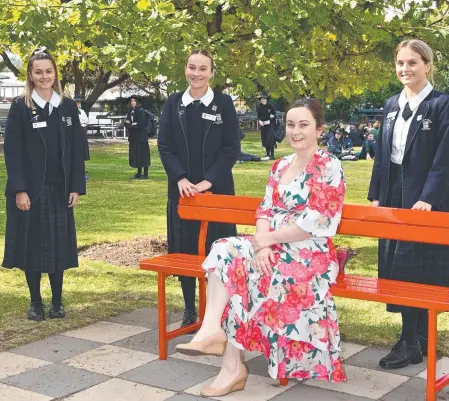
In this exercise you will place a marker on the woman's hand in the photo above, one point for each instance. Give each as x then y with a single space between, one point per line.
262 240
264 260
420 205
23 201
375 203
73 198
186 188
203 186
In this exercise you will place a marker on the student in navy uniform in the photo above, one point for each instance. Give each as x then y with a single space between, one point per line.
266 114
368 151
139 149
411 171
44 157
199 142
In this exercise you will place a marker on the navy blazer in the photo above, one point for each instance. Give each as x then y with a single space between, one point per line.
426 157
137 132
26 153
221 144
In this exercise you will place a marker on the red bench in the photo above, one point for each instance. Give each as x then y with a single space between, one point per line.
359 220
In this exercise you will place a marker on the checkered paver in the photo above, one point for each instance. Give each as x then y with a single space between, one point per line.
116 360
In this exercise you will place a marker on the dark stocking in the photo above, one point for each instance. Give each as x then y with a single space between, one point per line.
56 280
34 285
409 326
423 323
145 171
188 285
139 171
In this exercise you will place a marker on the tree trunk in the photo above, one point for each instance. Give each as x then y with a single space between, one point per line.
9 64
101 86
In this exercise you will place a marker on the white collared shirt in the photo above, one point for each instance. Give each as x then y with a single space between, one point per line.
206 99
54 101
401 127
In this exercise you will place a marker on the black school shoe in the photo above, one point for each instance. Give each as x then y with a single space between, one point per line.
189 317
137 176
36 312
56 311
144 177
401 355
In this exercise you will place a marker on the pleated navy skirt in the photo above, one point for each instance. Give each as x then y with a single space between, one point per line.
410 261
42 239
139 154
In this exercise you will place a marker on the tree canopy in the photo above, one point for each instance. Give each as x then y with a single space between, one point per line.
328 48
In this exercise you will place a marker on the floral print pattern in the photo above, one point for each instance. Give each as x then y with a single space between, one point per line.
291 316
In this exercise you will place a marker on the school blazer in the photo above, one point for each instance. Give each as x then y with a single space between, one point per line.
25 150
137 132
426 158
221 144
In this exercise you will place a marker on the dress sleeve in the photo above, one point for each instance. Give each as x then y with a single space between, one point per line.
324 204
265 209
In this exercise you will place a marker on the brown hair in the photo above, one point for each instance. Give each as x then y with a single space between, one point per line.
423 49
40 54
315 107
204 53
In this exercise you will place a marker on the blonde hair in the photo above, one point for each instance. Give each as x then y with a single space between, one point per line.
423 49
40 54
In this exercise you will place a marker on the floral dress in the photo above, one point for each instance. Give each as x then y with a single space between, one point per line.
291 316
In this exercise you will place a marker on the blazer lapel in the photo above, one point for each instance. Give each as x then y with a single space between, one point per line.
36 116
212 110
392 116
417 121
183 120
62 116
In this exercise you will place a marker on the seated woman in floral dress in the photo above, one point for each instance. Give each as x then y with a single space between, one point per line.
271 292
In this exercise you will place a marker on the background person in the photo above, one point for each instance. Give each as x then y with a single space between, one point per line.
139 149
266 114
368 151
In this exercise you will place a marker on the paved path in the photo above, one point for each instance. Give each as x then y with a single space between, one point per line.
116 360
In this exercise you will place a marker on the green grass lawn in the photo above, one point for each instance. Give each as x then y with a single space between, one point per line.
118 208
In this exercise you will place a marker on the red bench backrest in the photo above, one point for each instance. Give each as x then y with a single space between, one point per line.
360 220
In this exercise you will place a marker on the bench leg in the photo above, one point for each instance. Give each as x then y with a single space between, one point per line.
432 357
283 382
162 316
202 290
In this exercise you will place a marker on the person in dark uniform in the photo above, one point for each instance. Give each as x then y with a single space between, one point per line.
199 142
266 114
411 171
368 151
44 157
139 149
84 121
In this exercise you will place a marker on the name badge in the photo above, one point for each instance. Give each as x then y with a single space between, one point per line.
210 117
41 124
392 114
266 122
